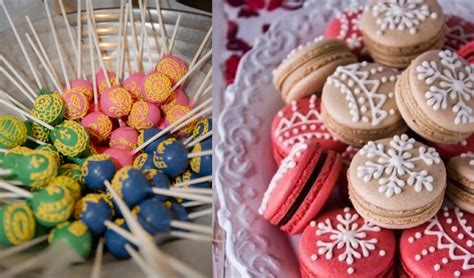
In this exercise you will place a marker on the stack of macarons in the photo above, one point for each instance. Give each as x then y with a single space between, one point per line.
380 109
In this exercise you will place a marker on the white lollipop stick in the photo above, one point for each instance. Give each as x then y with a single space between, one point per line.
3 150
124 41
198 154
48 70
164 39
202 191
193 181
24 193
191 236
69 31
25 246
56 42
22 47
139 261
197 140
14 101
17 74
177 194
192 204
10 195
200 213
134 37
28 115
41 47
122 232
175 32
5 172
192 69
191 227
36 140
119 40
201 47
17 85
144 33
99 252
92 61
202 86
200 114
79 40
205 92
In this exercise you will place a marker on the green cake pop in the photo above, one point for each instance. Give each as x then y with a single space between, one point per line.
13 132
49 108
12 157
70 139
37 131
52 205
73 171
69 183
74 234
53 151
36 168
17 224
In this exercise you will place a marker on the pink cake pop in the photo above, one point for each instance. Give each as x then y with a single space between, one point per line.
124 138
76 104
102 83
134 85
116 102
144 115
171 66
157 88
98 125
178 96
84 87
177 111
120 157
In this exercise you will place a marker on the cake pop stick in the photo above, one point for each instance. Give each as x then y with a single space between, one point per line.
203 153
56 43
191 236
203 191
69 30
192 227
139 261
197 140
96 269
199 213
144 34
79 40
203 85
9 195
192 204
124 42
36 140
14 101
175 32
192 69
119 39
134 37
201 47
193 181
22 47
164 39
15 189
48 70
17 85
17 74
178 194
92 62
22 247
28 115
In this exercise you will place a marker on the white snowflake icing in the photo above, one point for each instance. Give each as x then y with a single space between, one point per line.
287 163
348 237
401 14
362 91
395 166
454 81
469 155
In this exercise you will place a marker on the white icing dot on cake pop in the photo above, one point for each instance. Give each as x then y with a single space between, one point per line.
286 134
346 209
382 253
418 257
445 208
350 270
437 267
314 257
444 260
295 131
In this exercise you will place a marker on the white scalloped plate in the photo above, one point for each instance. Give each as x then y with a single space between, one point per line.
246 244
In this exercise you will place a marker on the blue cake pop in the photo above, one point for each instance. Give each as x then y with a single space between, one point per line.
178 212
144 162
93 209
132 185
97 169
189 175
115 243
159 180
153 216
202 165
202 127
171 157
147 134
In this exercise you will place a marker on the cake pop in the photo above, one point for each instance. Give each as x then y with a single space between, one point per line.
144 115
53 151
134 85
202 165
52 205
49 108
94 209
202 127
97 169
12 157
70 138
124 138
84 87
178 96
75 234
131 184
149 133
178 212
115 243
157 88
144 162
176 112
171 157
37 131
173 67
71 170
102 82
13 132
120 157
159 180
76 104
36 168
99 126
17 224
115 102
153 216
187 176
68 183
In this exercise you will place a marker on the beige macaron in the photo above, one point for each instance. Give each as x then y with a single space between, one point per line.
358 103
460 189
306 68
397 183
435 96
397 31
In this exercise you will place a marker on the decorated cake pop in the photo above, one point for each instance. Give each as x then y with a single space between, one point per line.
115 243
99 126
37 131
178 96
53 151
73 171
153 216
202 127
75 234
68 183
148 133
52 205
120 157
115 102
76 104
49 108
17 224
12 157
94 209
97 169
144 162
173 67
124 138
178 212
189 175
176 112
171 157
13 132
157 88
70 138
134 85
102 82
84 87
144 115
36 168
202 165
131 184
159 180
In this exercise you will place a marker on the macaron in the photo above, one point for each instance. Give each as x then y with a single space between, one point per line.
460 190
449 150
341 243
358 103
298 122
306 68
345 26
300 187
441 247
397 183
459 32
395 32
435 97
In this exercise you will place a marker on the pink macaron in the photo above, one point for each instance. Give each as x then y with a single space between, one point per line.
346 27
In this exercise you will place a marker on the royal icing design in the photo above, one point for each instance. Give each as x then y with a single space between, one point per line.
458 32
401 15
469 155
452 80
346 236
350 29
287 163
454 237
395 165
362 91
301 126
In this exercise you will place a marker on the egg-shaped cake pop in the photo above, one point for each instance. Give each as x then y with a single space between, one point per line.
71 170
68 183
96 170
99 126
102 82
178 96
76 104
94 209
202 165
17 224
134 85
178 212
144 162
157 88
124 138
131 185
171 157
202 127
176 112
159 180
52 151
13 157
120 157
52 205
116 102
49 108
173 67
75 234
13 132
144 115
84 87
115 243
148 133
70 138
154 216
36 168
37 131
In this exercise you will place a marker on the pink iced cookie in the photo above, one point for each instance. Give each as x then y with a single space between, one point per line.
116 102
171 66
102 82
144 115
157 88
458 32
120 157
98 125
76 104
124 138
84 87
346 27
134 85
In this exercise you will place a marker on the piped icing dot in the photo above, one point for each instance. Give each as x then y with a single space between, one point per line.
460 236
431 249
418 257
314 257
418 235
454 229
457 273
382 253
312 223
350 270
411 239
444 260
449 220
437 267
424 252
